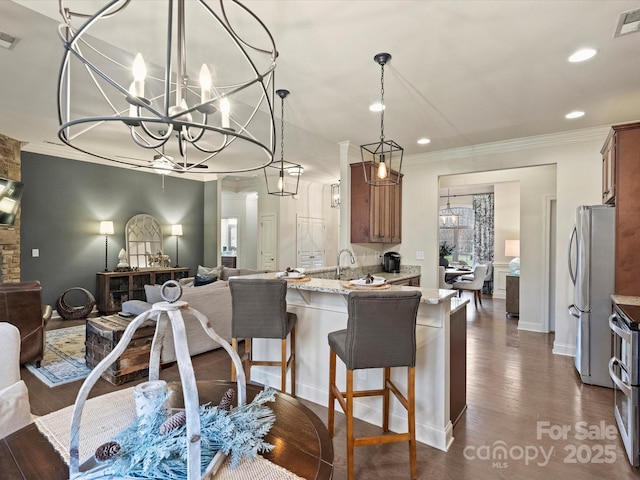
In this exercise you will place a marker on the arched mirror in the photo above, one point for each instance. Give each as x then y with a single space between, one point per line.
144 241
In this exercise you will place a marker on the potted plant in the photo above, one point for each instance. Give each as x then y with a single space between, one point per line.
445 250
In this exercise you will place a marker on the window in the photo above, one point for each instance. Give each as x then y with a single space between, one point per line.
461 237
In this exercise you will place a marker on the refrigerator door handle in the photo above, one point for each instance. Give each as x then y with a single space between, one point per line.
614 325
572 238
573 311
626 389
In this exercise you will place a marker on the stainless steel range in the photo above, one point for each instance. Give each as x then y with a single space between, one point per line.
624 369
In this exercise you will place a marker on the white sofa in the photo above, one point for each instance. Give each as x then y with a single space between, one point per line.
212 300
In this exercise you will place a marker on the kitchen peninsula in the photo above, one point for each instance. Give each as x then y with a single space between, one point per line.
321 307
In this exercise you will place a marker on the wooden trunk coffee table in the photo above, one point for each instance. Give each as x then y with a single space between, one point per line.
104 333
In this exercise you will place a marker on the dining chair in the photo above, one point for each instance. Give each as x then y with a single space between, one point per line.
441 279
488 279
15 410
380 333
259 310
475 285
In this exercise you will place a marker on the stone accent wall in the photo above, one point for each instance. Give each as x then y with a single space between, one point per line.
10 236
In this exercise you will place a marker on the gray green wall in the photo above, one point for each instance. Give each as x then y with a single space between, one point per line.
64 201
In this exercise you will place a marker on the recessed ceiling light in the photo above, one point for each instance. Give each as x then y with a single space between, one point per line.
376 107
582 55
574 114
424 141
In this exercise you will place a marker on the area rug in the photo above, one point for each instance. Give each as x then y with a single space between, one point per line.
63 360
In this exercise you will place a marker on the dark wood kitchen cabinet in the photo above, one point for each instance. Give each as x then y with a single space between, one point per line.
622 151
376 212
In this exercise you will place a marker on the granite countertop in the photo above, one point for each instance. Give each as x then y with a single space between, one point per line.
457 303
625 300
325 285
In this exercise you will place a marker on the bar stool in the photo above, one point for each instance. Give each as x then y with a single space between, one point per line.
380 333
259 310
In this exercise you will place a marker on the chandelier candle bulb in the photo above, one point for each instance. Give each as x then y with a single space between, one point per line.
205 84
225 110
139 73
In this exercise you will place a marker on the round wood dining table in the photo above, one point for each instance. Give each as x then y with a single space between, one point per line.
301 441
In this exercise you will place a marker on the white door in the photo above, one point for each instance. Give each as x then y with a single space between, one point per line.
268 242
310 236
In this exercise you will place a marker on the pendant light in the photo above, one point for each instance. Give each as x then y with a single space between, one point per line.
277 174
335 195
382 161
449 219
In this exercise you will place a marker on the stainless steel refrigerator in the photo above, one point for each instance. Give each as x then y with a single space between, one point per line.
591 267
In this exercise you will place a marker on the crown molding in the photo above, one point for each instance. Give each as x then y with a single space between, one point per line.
514 145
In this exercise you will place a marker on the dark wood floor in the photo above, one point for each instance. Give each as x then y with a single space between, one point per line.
516 387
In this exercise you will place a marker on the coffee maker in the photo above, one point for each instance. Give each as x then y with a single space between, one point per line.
391 262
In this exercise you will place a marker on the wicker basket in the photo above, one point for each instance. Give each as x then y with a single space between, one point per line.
75 313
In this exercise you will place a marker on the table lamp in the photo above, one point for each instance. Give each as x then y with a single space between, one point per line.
512 249
176 231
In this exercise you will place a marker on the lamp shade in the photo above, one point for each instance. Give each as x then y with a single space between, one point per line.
176 230
106 228
512 248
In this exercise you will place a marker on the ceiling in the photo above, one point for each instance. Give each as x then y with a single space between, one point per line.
462 73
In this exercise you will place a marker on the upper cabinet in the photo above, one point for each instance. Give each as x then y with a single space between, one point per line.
376 212
609 170
622 151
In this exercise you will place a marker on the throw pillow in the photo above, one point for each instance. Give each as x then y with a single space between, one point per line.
200 280
14 408
152 293
217 271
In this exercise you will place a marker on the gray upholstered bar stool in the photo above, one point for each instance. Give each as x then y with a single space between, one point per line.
380 333
259 310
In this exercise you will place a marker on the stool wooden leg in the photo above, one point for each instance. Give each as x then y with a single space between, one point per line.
385 400
411 416
247 362
293 361
283 365
332 398
349 412
234 345
480 296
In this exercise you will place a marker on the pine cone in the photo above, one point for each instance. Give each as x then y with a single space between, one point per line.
106 451
174 421
227 400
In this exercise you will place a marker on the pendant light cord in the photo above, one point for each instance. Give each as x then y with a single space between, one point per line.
382 103
282 133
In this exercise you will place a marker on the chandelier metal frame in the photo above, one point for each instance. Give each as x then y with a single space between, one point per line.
182 114
449 219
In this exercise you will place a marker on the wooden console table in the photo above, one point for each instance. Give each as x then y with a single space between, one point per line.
113 288
302 442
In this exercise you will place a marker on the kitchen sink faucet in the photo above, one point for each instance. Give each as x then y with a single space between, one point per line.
353 260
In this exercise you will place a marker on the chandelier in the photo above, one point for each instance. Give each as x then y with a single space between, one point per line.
449 219
189 79
277 182
382 161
